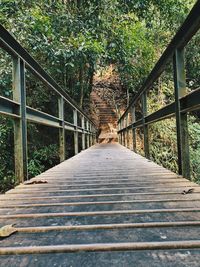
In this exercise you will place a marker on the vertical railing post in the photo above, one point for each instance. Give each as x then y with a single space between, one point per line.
121 127
124 136
124 131
90 128
93 136
145 127
62 129
134 129
75 132
122 122
127 131
181 118
88 136
119 138
83 132
20 125
119 135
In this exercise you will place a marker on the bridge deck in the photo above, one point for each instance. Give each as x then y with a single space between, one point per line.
110 206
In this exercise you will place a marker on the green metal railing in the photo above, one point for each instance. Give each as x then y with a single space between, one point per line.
21 113
183 103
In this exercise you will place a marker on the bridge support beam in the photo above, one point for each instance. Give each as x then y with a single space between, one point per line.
181 118
62 129
20 125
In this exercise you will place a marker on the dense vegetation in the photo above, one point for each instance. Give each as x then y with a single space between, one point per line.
72 40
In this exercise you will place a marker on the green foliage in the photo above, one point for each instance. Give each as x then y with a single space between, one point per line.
193 63
72 38
7 179
163 146
194 134
42 159
131 51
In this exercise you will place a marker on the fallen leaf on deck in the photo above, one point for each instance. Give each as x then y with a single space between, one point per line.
35 182
189 191
7 230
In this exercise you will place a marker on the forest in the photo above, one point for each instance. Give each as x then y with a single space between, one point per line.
75 39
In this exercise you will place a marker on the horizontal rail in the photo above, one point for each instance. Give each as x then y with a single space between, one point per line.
10 44
188 103
10 108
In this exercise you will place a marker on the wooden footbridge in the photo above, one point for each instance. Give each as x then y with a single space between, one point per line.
107 205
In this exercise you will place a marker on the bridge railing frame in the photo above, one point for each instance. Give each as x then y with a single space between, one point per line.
183 103
21 113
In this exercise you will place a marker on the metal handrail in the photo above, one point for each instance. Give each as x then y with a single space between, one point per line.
21 113
183 102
